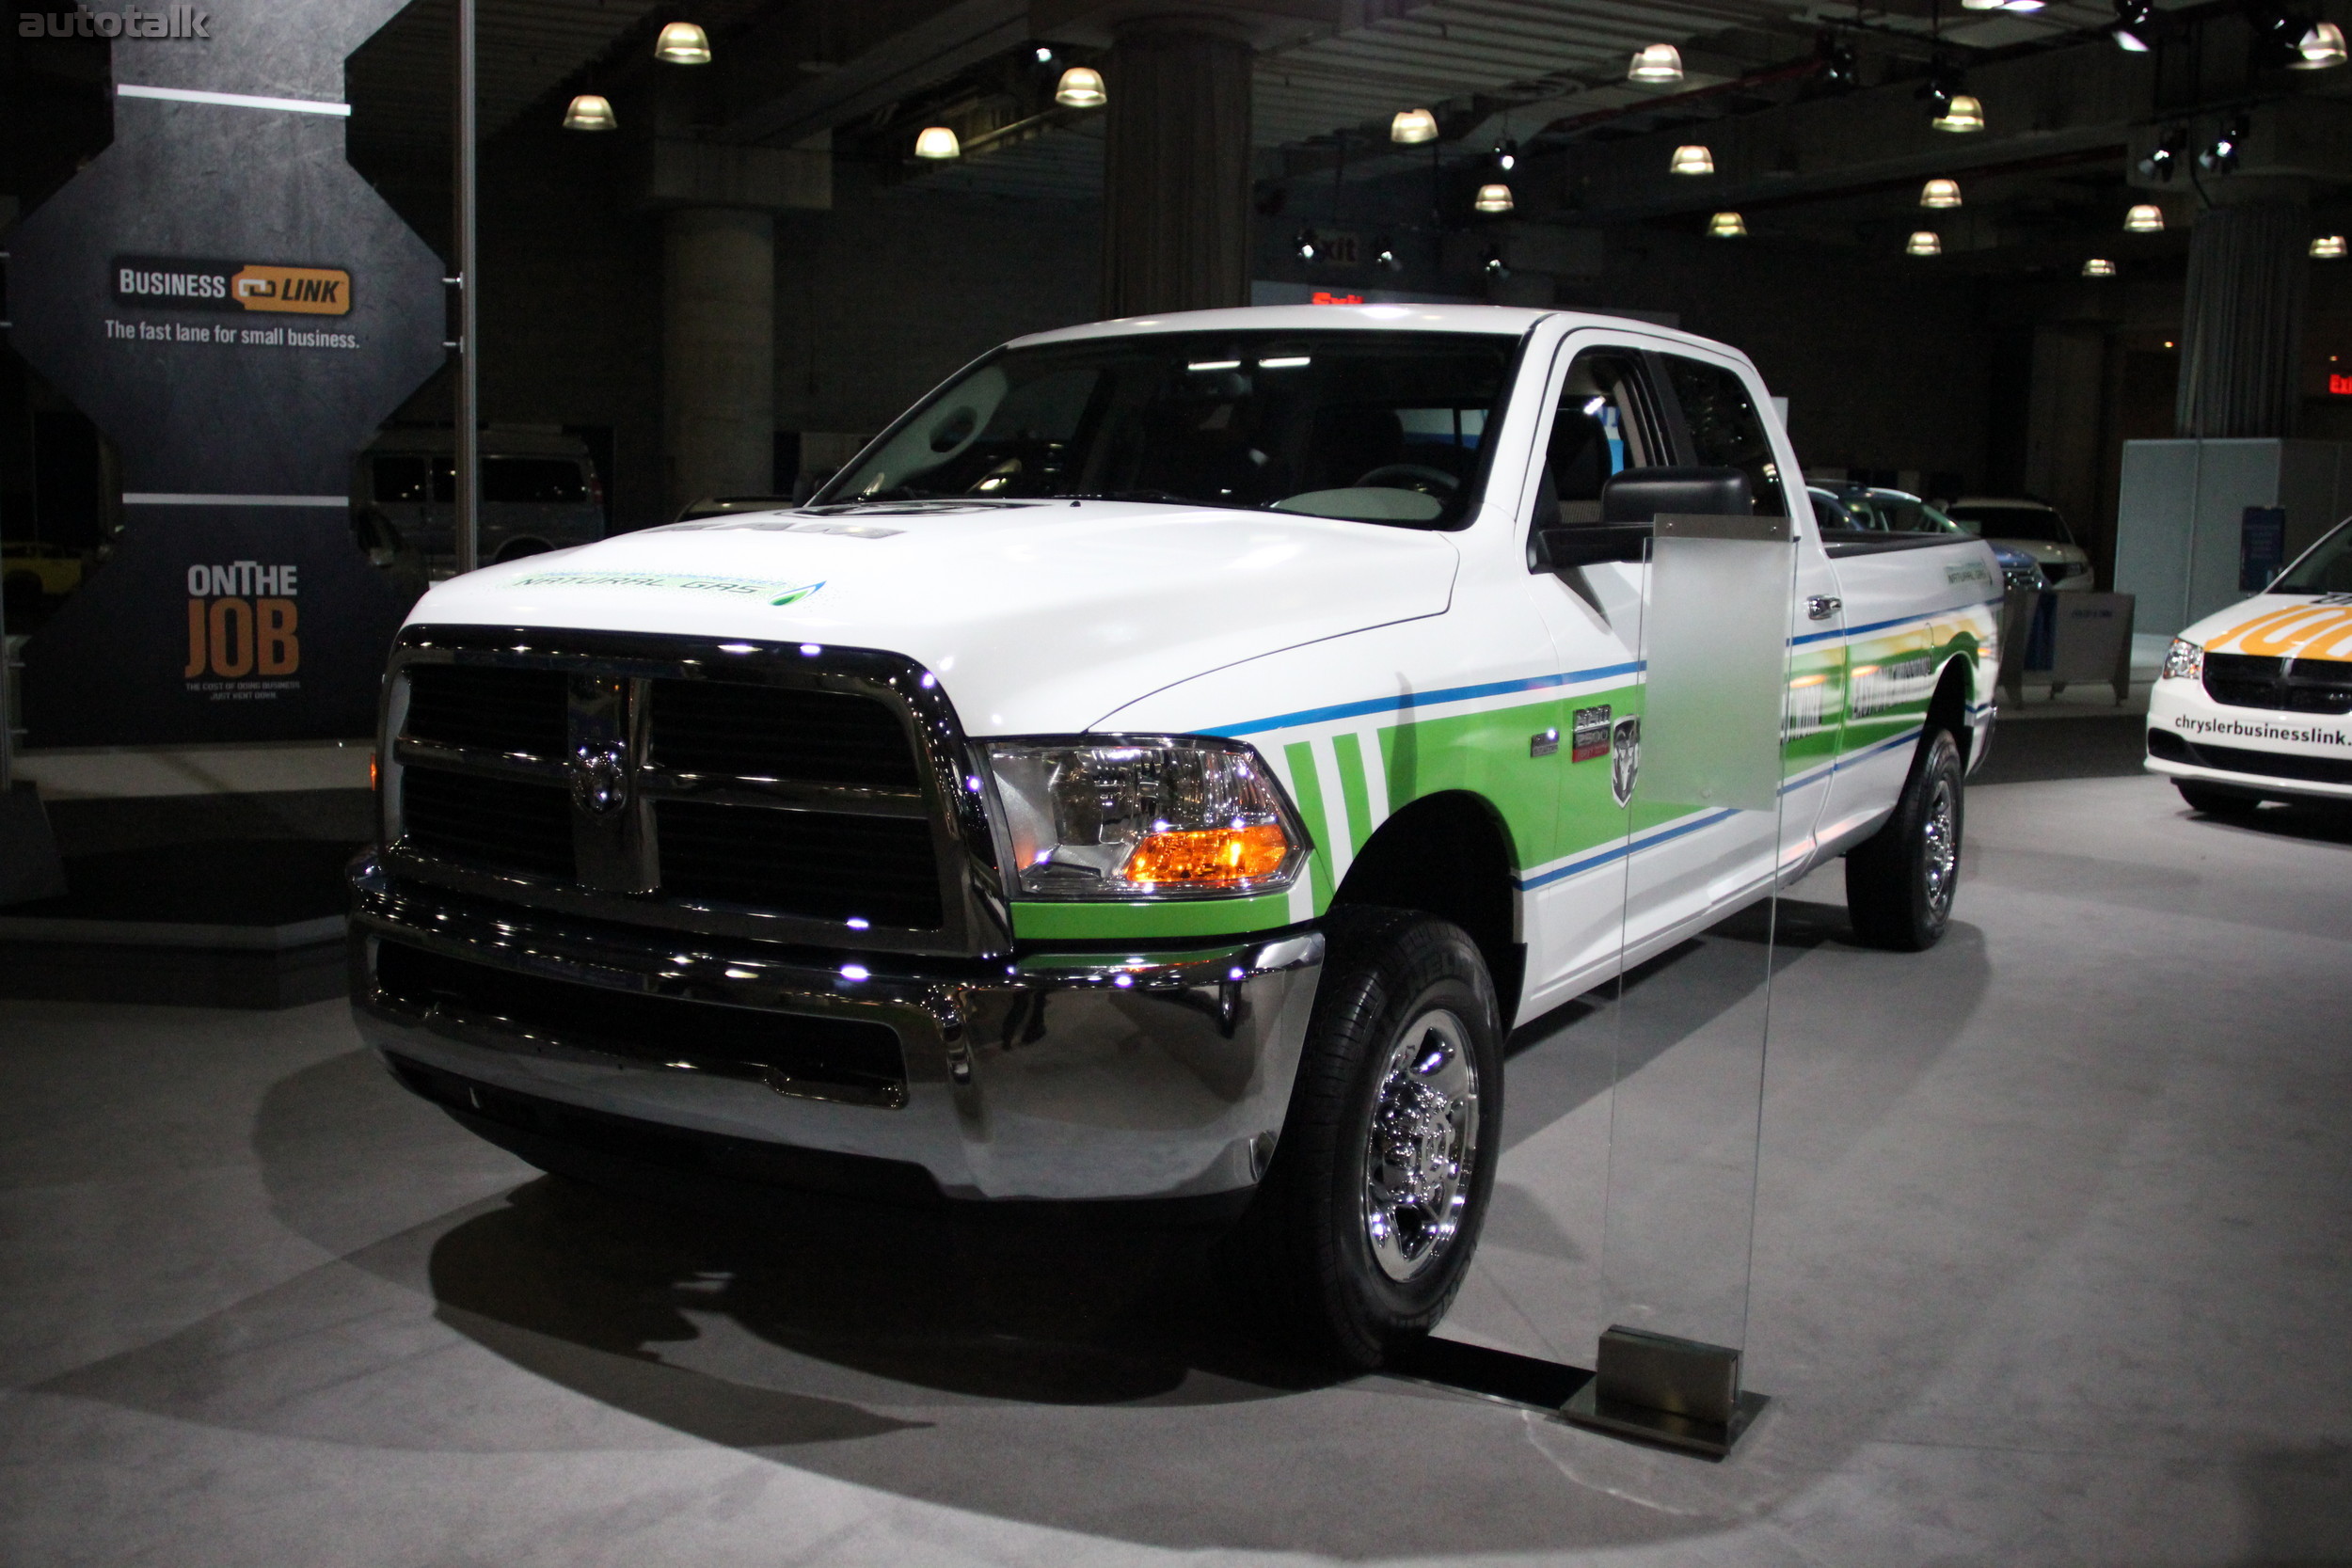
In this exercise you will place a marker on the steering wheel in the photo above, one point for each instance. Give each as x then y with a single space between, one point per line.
1409 476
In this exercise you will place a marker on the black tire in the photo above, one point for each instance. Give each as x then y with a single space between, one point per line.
1901 880
2217 800
1312 1267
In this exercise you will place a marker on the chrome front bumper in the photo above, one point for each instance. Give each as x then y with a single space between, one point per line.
1089 1075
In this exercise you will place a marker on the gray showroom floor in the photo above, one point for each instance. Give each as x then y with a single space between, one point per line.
2054 1265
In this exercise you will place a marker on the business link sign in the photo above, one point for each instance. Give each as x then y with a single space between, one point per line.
169 283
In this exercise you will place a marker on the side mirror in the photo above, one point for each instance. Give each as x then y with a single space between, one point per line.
1639 495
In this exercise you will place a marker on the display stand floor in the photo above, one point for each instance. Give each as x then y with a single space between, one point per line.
2054 1266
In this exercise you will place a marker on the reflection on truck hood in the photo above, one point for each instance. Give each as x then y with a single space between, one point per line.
1036 617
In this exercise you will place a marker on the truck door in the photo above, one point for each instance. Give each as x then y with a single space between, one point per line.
1686 863
1604 417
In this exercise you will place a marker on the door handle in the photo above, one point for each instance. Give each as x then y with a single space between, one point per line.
1820 607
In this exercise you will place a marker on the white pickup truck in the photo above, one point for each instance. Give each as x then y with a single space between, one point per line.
1164 765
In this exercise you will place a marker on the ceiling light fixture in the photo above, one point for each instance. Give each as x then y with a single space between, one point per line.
1840 71
938 142
1307 245
1655 66
2221 157
682 43
1691 160
1506 154
2322 48
1081 87
1384 256
1494 198
2327 247
2146 218
1924 241
1726 226
1495 266
590 112
2098 267
2164 162
1413 125
1963 114
1940 192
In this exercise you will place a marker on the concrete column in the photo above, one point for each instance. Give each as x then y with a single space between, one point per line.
718 353
2242 323
1176 169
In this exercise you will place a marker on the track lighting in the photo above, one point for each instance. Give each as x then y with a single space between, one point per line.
1043 53
1307 245
2165 162
1657 65
590 112
1840 71
1691 160
2146 218
1940 192
1506 154
2133 20
1494 266
937 141
682 43
1413 125
2221 157
1384 256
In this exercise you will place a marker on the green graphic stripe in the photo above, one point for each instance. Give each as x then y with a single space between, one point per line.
1348 747
1175 917
1307 786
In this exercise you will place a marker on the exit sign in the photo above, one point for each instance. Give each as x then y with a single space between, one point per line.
2339 386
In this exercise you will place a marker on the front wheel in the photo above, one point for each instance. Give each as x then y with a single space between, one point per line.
1363 1229
1899 881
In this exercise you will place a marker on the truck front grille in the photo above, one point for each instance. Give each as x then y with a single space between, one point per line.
766 731
879 869
496 822
826 1059
489 710
2292 685
803 795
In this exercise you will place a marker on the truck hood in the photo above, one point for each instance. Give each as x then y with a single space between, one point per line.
1037 616
2279 626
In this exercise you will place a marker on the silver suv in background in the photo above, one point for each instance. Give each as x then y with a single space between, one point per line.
2033 527
540 491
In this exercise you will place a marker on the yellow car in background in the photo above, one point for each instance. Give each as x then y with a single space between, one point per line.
31 571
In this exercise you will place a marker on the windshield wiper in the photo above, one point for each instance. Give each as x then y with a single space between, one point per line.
1140 496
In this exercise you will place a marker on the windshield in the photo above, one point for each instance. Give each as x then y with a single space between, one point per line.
1375 427
2037 525
2325 567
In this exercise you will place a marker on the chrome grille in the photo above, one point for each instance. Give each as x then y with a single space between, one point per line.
763 790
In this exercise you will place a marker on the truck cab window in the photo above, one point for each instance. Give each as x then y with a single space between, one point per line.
1605 423
1726 429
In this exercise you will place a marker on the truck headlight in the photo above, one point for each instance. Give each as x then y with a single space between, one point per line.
1145 817
2183 661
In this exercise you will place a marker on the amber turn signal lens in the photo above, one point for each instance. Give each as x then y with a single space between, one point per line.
374 779
1209 857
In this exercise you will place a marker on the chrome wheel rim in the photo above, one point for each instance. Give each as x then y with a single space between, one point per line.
1423 1141
1942 844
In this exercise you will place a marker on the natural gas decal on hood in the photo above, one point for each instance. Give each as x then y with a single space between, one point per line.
2293 631
692 582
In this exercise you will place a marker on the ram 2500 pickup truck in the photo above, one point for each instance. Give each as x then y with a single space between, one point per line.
1163 765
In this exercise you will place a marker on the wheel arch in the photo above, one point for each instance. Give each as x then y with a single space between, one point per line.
1449 854
1955 688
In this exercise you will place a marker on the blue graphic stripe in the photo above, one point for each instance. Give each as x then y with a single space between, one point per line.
1421 698
1602 857
1884 626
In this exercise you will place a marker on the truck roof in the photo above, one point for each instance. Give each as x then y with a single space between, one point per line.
1502 320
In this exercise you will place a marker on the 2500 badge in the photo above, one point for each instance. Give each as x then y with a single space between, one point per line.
184 284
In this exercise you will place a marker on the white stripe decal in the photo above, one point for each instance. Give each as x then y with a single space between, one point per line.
1342 846
234 100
